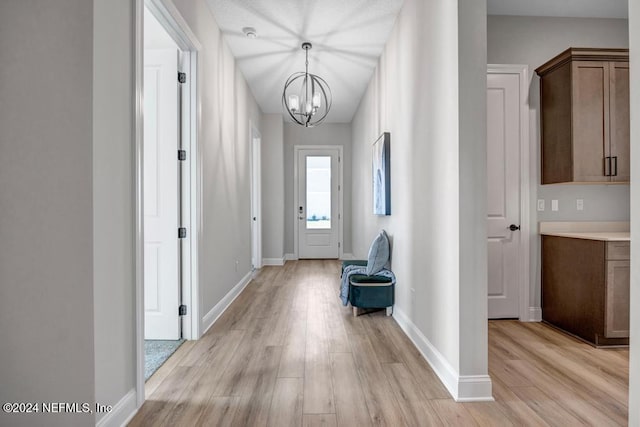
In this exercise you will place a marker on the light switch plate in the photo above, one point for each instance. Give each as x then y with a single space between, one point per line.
540 205
580 204
554 205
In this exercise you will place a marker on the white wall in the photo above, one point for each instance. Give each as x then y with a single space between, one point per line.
325 134
113 202
472 98
46 250
273 204
432 64
634 356
533 41
226 108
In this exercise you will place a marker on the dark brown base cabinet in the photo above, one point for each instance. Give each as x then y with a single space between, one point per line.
585 288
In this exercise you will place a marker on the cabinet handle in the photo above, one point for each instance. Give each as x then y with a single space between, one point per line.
615 166
607 166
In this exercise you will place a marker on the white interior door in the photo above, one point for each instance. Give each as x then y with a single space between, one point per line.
161 195
256 221
318 203
503 204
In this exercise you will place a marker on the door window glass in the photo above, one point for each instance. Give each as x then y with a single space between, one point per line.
318 192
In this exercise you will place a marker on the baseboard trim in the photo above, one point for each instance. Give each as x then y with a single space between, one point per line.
463 388
290 257
273 261
474 388
122 412
347 257
535 314
210 318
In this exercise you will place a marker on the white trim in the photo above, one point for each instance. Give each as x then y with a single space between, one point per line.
273 261
214 314
195 197
474 388
121 413
296 149
347 257
290 257
172 21
535 314
463 388
524 277
139 208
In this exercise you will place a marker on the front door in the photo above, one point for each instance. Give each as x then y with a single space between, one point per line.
503 195
318 203
161 196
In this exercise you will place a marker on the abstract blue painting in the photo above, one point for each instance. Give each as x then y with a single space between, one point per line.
382 175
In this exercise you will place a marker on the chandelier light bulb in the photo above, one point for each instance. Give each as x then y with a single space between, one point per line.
294 103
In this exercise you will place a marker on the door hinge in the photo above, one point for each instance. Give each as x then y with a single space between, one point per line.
338 244
182 155
182 310
182 232
182 77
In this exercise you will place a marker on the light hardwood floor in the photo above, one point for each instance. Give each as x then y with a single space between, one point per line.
287 353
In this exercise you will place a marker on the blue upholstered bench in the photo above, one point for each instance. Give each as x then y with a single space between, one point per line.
369 291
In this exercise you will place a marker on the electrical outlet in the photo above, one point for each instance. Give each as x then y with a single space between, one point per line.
540 205
580 204
554 205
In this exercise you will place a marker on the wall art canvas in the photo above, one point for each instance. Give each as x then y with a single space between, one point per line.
382 175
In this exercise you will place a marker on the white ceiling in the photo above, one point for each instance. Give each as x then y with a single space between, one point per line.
566 8
347 36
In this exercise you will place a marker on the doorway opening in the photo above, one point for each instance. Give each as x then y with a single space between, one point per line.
162 195
318 201
168 197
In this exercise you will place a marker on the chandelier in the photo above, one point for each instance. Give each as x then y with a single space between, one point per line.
306 96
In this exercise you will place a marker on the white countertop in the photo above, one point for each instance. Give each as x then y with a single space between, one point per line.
607 236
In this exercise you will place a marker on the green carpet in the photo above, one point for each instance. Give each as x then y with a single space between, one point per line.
156 352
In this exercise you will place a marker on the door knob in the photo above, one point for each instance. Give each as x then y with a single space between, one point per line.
514 227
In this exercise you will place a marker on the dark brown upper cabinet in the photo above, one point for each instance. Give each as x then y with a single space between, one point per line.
584 97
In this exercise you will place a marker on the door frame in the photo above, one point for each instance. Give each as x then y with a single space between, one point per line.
296 150
191 177
526 311
255 170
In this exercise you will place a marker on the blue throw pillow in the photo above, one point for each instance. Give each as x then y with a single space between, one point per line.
378 254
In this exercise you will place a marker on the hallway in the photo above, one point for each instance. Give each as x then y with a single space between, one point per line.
287 353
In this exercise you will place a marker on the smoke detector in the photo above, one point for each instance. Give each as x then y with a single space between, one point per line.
250 32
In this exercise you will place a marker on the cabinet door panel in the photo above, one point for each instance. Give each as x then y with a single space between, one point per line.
590 120
617 303
555 100
619 119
